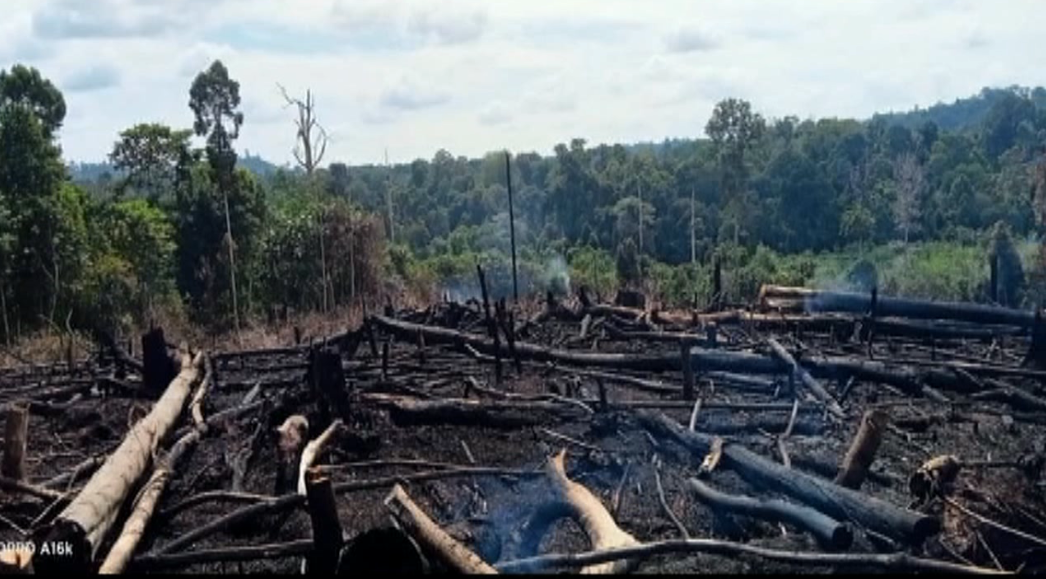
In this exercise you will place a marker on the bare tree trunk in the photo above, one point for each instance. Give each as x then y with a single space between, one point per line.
693 235
3 312
323 262
232 264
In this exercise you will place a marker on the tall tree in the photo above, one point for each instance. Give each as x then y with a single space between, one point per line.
214 99
26 87
909 184
734 130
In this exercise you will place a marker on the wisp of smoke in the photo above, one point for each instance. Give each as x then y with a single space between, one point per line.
557 276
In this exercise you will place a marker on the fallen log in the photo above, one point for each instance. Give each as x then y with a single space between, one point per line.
593 517
903 377
836 501
149 497
900 561
86 520
490 413
830 533
435 539
857 303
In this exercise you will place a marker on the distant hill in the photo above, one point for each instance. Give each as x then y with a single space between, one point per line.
86 172
964 113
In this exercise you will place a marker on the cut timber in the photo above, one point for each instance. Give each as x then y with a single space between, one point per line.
87 519
833 500
491 413
432 537
16 433
862 451
858 303
593 517
830 533
149 497
805 378
327 535
312 452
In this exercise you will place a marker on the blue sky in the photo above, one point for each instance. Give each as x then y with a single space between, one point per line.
473 76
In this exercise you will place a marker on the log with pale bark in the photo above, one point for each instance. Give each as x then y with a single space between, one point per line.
591 515
85 522
434 539
831 499
149 496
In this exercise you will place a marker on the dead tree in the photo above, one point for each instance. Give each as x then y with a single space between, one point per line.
311 139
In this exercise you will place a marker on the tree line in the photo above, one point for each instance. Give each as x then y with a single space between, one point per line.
186 229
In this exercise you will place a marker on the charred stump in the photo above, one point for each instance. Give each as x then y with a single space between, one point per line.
327 380
158 369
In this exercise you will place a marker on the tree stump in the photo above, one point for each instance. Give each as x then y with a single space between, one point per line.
16 434
327 380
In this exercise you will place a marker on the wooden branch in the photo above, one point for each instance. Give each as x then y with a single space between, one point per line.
85 522
435 539
312 451
590 513
830 533
226 554
900 561
859 457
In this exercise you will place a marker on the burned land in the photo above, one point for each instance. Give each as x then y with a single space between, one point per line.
808 432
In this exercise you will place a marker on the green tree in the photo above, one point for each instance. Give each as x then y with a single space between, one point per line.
215 99
734 130
154 157
25 87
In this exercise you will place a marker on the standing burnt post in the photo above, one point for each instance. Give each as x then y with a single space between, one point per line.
158 369
511 224
717 283
492 327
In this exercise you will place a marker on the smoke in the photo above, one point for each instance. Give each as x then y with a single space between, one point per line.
557 276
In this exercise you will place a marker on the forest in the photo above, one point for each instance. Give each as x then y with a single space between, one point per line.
916 202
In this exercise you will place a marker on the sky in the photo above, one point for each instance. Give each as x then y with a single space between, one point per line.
472 76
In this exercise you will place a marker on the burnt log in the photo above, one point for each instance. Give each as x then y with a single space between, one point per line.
830 533
16 434
859 303
799 373
490 413
831 499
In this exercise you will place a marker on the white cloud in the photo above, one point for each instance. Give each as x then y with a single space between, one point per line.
418 76
445 25
93 78
691 39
